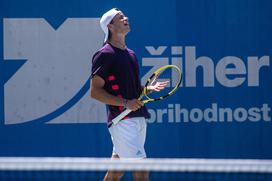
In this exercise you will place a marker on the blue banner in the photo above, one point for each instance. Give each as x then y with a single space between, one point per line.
221 110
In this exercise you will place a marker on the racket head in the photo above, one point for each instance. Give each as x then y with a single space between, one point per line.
163 72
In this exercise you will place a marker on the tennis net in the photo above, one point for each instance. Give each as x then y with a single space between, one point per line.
64 168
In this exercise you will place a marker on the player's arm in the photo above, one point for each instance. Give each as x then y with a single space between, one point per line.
100 94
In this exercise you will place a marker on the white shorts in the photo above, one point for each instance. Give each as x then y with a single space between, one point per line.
128 138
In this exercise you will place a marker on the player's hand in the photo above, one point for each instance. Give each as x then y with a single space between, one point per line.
134 104
157 86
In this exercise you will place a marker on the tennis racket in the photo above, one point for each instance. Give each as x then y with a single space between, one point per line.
166 71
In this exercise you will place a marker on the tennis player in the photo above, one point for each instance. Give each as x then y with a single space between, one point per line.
115 82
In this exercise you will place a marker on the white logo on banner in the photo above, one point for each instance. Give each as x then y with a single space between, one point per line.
58 65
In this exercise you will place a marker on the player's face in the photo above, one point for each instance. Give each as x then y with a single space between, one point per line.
120 24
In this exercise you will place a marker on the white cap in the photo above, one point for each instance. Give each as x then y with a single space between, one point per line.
106 19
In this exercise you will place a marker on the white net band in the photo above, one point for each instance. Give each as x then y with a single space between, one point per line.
162 165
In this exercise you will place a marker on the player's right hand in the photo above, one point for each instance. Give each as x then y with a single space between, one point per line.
134 104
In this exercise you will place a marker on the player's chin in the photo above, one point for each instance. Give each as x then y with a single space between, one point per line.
127 27
128 30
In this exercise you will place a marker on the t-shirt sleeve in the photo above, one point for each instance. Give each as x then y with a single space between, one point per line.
101 64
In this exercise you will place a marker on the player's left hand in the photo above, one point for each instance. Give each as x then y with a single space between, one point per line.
157 86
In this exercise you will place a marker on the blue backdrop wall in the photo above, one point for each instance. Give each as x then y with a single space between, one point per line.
222 109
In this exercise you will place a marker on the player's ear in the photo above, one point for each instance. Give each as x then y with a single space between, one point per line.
110 26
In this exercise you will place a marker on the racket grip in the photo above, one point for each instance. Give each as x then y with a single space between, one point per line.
121 116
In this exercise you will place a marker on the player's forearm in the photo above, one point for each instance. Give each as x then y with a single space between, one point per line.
102 95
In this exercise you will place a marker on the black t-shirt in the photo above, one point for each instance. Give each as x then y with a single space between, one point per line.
120 71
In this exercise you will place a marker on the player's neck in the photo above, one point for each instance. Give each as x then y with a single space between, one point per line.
118 42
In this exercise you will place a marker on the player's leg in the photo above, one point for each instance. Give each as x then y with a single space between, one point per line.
113 175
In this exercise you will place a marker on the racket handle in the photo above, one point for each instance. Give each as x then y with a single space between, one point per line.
121 116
